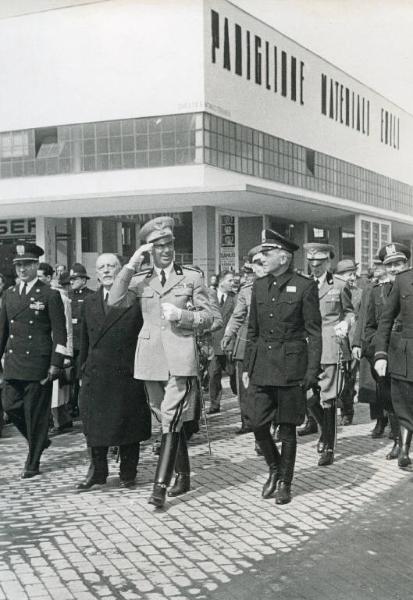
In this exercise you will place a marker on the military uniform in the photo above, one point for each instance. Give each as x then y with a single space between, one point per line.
77 298
32 338
282 359
166 355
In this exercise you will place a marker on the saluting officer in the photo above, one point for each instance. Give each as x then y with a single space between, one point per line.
337 318
32 339
282 358
77 295
174 304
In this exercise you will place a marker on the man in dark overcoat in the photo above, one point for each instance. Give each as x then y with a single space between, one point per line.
113 404
32 340
226 299
282 358
77 294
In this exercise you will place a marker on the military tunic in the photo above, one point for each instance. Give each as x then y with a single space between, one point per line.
283 347
400 355
166 350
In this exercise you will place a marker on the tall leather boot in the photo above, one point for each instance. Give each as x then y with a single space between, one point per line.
327 456
98 469
395 430
380 426
309 427
286 472
317 411
272 458
182 469
164 469
406 438
129 459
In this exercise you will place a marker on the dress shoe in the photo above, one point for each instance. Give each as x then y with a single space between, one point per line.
243 430
91 481
394 452
270 485
214 411
29 474
347 420
327 458
47 444
283 493
378 430
127 483
158 495
156 447
62 429
309 428
181 486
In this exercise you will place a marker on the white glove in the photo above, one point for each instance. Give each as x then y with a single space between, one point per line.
138 258
341 329
356 352
245 379
381 367
170 312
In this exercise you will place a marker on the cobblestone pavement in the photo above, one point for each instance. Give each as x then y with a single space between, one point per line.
221 540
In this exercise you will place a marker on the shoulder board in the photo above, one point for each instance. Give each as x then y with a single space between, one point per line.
300 274
191 269
143 273
246 285
404 271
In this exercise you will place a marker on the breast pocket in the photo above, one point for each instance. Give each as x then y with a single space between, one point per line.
183 297
145 296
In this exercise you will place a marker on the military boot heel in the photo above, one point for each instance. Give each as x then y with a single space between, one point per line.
182 483
164 469
403 459
272 458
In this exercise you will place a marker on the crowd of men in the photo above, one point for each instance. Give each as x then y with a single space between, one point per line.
297 349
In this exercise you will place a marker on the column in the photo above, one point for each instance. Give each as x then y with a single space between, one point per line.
203 238
46 238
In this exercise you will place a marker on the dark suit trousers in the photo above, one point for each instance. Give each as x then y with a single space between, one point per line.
27 404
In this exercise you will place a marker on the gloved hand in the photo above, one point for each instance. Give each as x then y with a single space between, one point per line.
356 352
171 312
341 329
245 379
309 382
381 367
137 259
225 342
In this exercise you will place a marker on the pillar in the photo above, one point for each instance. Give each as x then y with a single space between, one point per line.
203 238
46 238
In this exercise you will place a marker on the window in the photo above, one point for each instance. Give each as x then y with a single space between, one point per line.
310 161
46 142
14 144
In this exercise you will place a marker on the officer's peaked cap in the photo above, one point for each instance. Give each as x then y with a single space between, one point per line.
253 252
318 251
27 251
272 239
346 265
157 229
394 251
78 270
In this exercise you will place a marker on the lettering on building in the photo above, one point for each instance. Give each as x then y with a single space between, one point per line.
390 129
347 107
248 55
17 227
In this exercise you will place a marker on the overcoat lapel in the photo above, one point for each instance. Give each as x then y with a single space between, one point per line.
105 320
20 303
324 289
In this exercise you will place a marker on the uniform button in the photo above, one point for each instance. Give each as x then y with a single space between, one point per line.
11 335
10 351
30 337
269 347
273 299
271 315
31 322
271 330
12 321
27 352
163 327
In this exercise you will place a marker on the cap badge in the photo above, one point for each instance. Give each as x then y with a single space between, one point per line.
390 249
20 250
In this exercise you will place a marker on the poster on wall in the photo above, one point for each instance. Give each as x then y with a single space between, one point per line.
227 245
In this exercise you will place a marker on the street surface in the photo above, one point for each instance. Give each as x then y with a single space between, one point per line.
346 534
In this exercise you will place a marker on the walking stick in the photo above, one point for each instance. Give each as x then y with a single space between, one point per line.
201 394
339 389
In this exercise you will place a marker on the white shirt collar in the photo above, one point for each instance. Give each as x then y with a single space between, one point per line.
30 284
167 270
322 279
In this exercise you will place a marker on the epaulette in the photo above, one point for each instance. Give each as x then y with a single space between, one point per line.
297 272
246 285
191 269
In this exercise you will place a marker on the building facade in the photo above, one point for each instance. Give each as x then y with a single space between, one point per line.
118 111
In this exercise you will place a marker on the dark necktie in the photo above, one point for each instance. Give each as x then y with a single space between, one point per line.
163 278
105 302
222 301
317 281
24 289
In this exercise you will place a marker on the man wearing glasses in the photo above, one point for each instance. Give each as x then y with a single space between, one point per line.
174 303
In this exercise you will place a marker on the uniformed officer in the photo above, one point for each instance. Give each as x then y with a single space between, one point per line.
174 303
393 345
282 358
77 295
32 340
235 336
337 318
